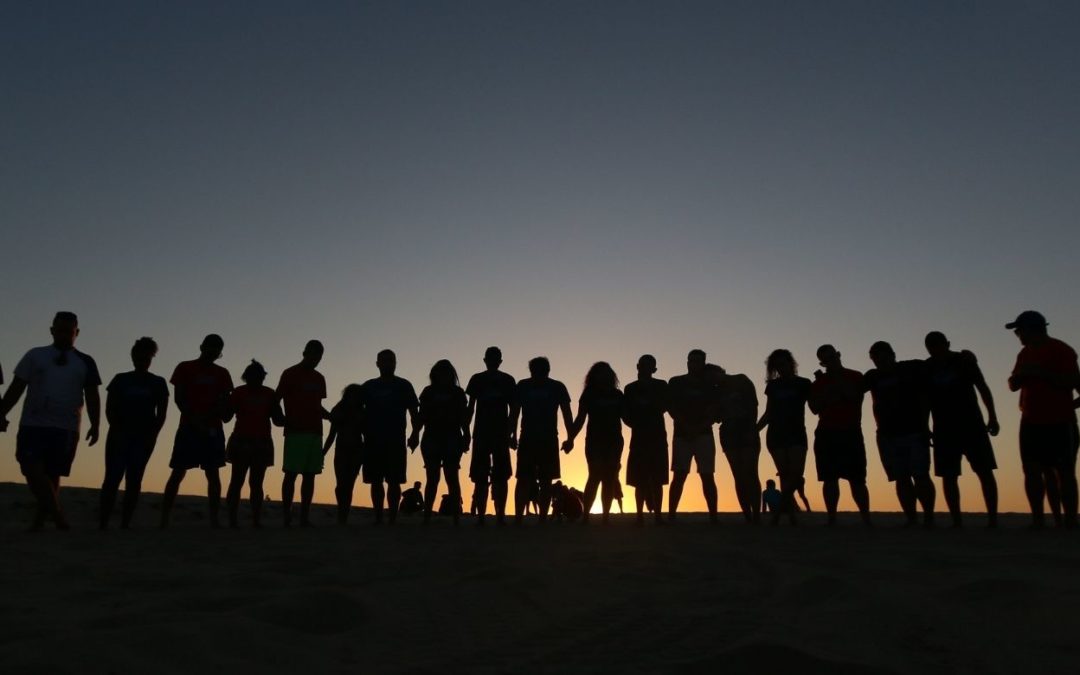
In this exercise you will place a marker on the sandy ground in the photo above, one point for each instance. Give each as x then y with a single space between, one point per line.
688 598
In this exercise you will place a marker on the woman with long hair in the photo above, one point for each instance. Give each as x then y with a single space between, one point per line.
785 416
347 438
444 421
601 403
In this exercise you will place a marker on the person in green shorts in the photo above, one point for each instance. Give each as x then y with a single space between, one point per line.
302 390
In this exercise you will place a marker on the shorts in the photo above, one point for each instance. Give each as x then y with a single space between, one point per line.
303 454
700 448
904 455
53 448
840 454
538 459
254 452
198 448
347 462
790 462
490 458
442 453
127 453
951 445
1048 446
385 462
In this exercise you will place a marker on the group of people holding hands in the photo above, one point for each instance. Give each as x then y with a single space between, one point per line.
923 408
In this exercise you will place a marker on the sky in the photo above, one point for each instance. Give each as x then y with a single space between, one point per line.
582 180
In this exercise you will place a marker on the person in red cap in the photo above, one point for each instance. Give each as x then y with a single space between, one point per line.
1046 374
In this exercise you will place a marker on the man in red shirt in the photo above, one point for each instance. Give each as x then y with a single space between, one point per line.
201 390
836 397
302 390
1046 374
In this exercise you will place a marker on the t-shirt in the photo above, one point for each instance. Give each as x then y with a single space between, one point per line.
899 398
605 410
443 411
787 411
55 381
204 388
386 400
645 402
773 498
1041 401
254 407
302 391
493 392
838 399
951 380
540 400
134 400
692 404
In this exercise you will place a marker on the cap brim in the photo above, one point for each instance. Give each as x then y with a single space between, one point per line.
1011 325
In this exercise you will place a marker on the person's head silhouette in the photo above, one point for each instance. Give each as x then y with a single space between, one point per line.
882 354
601 377
780 364
695 362
443 374
828 357
770 485
493 358
386 362
540 367
1029 327
211 348
254 374
313 353
64 330
646 366
937 345
416 485
142 353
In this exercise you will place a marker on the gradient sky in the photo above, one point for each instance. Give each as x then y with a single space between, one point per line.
581 180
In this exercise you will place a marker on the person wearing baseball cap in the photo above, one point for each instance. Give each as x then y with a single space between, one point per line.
1046 374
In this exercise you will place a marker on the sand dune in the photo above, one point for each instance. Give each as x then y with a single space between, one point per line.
691 598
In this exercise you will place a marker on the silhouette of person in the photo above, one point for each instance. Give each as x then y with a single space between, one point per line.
959 428
135 406
347 437
386 400
412 500
836 397
692 402
200 391
302 390
1046 375
784 418
772 500
251 448
566 502
444 420
491 395
739 437
538 401
601 403
900 394
645 403
57 379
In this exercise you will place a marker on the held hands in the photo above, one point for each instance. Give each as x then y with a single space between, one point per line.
568 445
3 424
466 440
414 441
513 441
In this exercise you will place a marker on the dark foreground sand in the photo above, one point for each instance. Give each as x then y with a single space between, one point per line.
691 598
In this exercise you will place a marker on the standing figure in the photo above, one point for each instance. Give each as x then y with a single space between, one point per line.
251 447
136 405
1046 375
902 411
201 389
959 428
737 413
601 403
836 397
302 390
387 398
491 395
786 395
57 380
645 403
692 405
347 438
538 401
444 420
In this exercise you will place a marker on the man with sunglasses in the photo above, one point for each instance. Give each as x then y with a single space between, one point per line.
58 381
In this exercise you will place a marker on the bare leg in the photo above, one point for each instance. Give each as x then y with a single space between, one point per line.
132 490
545 499
905 493
678 482
990 495
255 493
377 496
861 495
393 494
172 486
453 486
213 494
708 486
499 492
288 490
950 487
232 495
480 499
927 496
307 493
592 484
431 490
44 490
831 493
521 499
109 488
1068 496
346 482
